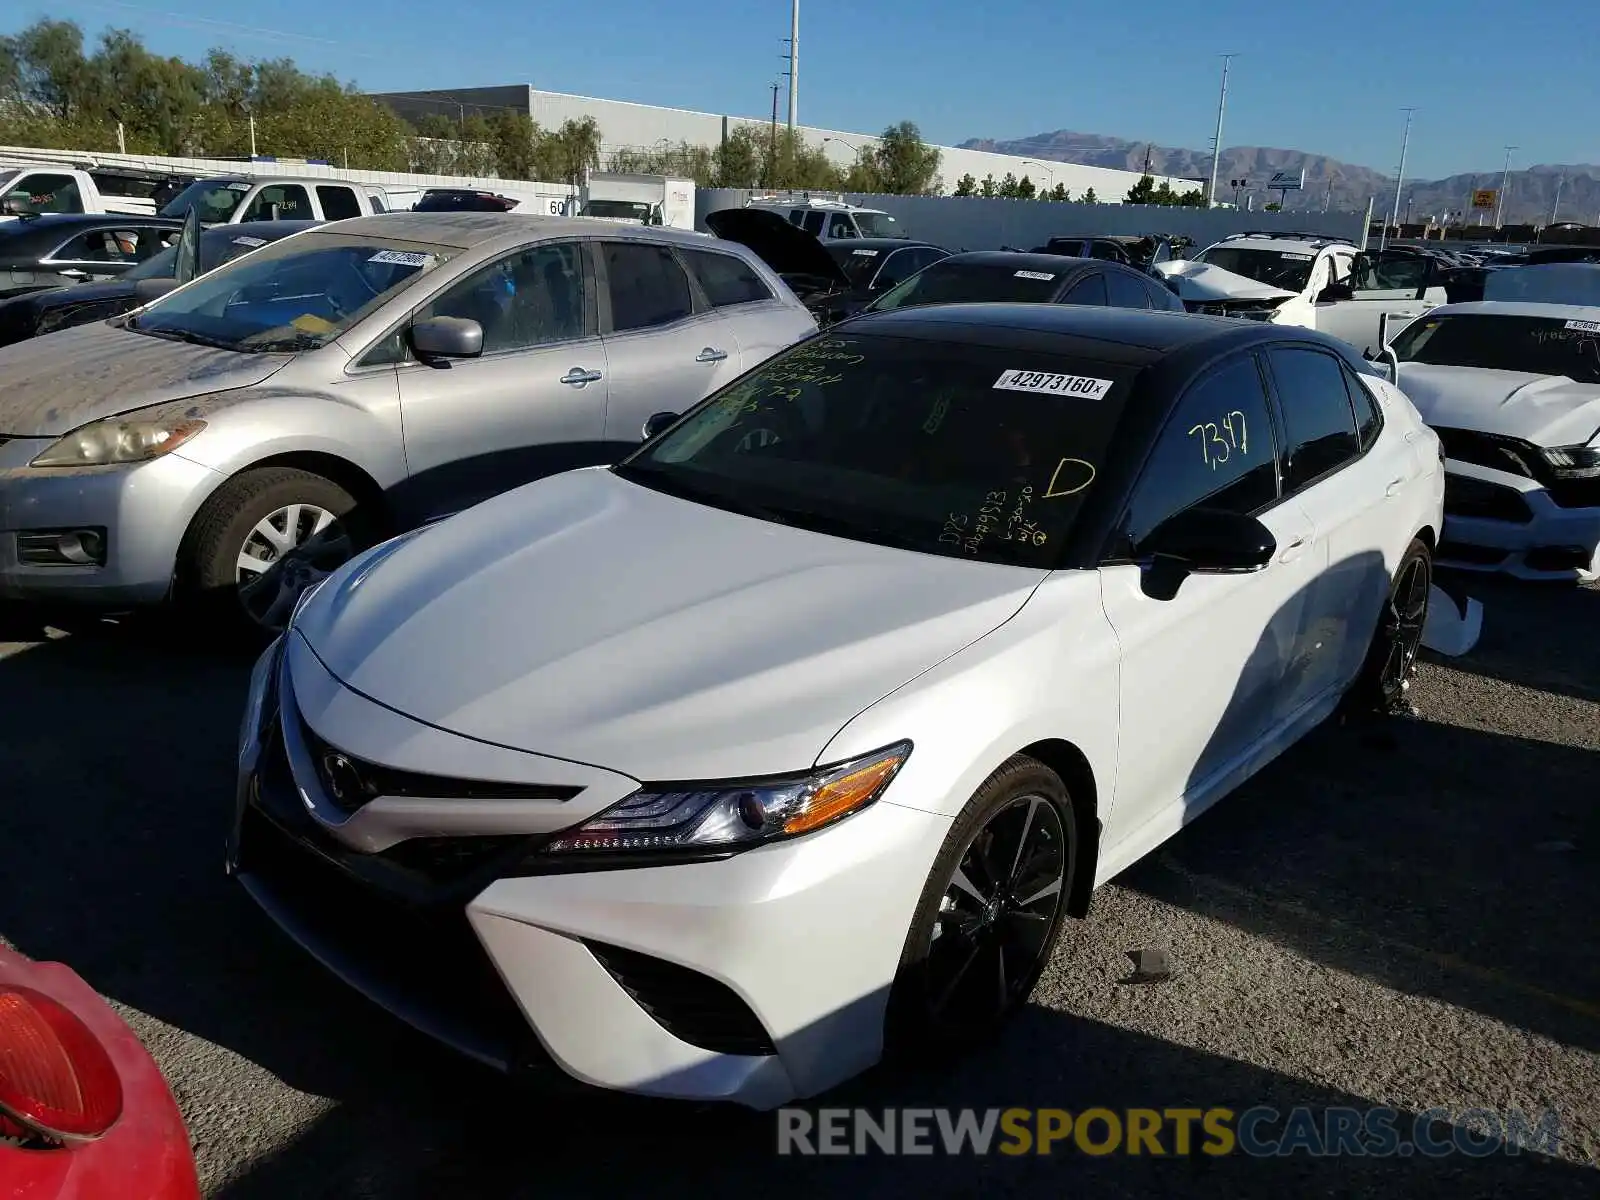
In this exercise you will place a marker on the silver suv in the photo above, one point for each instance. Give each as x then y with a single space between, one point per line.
241 436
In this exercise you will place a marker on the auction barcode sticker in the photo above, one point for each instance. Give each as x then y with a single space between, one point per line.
1057 385
402 258
1043 275
249 241
866 253
1584 326
1296 256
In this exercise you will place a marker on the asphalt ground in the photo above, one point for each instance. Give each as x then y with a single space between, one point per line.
1403 917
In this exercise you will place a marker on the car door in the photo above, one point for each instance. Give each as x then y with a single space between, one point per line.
1344 489
532 404
1398 284
1202 671
666 349
760 324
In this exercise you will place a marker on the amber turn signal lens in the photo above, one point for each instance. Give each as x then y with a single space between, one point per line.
843 795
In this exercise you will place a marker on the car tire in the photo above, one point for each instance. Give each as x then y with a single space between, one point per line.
1380 689
977 946
263 515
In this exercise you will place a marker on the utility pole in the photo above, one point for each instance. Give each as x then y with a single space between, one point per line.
794 63
1216 149
1399 181
1505 180
772 145
1556 207
252 135
1327 201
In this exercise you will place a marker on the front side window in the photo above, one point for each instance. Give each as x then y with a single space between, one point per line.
952 282
97 245
725 278
841 226
338 203
530 298
956 450
1319 424
217 200
1091 289
813 222
42 193
1217 451
647 286
289 200
296 294
1536 345
1126 291
1289 270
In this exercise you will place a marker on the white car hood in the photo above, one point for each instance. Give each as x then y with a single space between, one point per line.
51 385
589 618
1201 282
1547 410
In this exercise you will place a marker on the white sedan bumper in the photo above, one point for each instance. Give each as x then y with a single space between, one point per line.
1502 521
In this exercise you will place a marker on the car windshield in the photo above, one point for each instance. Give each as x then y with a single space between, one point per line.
949 449
1537 345
877 224
297 294
217 199
950 282
1286 269
858 265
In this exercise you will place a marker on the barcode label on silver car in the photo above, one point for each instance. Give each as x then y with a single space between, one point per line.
402 258
1585 326
1057 385
1044 275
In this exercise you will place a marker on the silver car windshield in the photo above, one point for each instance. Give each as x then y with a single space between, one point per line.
297 294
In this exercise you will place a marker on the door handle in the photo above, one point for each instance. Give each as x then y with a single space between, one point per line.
578 377
1292 550
711 354
1394 486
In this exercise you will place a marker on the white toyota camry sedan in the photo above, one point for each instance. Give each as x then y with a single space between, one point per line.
792 739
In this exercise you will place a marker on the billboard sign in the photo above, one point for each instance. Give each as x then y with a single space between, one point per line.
1287 181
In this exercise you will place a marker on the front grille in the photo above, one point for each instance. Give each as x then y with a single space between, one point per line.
1465 496
350 782
1575 493
692 1007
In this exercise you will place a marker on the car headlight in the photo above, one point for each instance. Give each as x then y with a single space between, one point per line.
118 440
1573 462
734 816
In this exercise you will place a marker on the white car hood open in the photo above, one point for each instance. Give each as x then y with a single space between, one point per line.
53 384
1202 282
1547 410
589 618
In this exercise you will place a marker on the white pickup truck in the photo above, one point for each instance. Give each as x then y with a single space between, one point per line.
227 200
27 189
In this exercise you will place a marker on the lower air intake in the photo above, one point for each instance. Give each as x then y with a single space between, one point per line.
692 1007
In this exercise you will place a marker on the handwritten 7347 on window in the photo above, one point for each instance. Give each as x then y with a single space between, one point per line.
1216 449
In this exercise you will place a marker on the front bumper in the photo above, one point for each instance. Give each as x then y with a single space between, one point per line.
755 979
143 510
1505 522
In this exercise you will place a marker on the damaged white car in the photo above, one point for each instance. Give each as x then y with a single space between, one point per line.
1513 391
1310 280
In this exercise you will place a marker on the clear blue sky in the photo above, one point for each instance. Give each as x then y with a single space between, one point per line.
1329 79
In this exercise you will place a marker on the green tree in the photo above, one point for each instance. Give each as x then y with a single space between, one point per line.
988 190
1090 198
739 161
564 156
513 141
1025 189
966 186
906 165
864 174
1008 187
1143 192
1060 194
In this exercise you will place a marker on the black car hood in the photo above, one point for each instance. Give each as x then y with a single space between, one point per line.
787 249
49 309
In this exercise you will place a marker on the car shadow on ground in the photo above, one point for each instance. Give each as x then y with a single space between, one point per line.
1535 635
117 747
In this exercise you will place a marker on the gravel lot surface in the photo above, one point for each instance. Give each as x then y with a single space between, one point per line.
1402 918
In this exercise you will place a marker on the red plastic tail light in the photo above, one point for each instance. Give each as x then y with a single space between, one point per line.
55 1077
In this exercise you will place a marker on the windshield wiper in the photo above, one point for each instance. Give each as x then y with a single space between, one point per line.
300 341
187 335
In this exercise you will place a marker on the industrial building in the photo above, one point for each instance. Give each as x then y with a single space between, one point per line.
628 126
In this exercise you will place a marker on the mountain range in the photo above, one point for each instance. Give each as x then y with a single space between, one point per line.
1344 186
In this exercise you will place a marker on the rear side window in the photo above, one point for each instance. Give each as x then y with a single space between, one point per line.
1217 452
725 278
1162 299
647 286
813 222
338 203
1090 290
290 199
1125 291
1319 424
1369 415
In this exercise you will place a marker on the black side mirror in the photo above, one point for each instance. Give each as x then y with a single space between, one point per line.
658 423
1336 291
446 338
1211 541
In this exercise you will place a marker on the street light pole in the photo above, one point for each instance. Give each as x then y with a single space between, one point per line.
794 63
1049 174
1216 149
1505 179
1399 181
